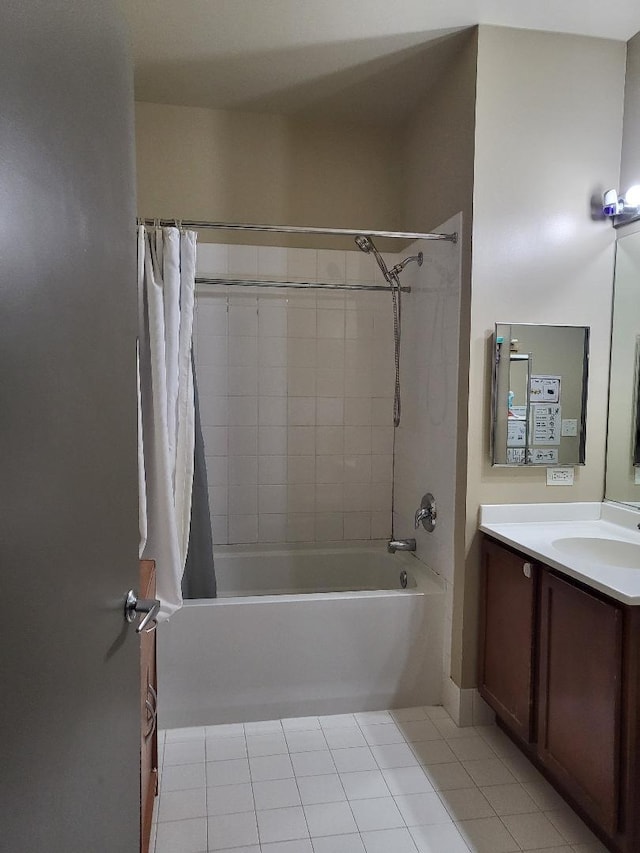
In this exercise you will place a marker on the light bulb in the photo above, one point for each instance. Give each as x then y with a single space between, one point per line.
632 196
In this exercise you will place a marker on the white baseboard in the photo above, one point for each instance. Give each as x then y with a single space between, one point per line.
465 706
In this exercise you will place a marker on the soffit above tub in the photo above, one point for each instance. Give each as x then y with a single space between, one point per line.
360 59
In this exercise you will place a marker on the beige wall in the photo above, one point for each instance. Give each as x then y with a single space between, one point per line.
548 130
253 167
630 167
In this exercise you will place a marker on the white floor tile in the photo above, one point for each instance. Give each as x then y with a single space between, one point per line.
186 836
313 763
321 789
534 830
521 768
418 730
306 741
497 740
387 840
225 730
408 715
377 813
183 752
354 759
366 718
466 803
407 780
264 727
544 796
269 744
510 799
394 755
447 776
191 733
232 830
226 748
232 772
301 845
344 738
300 724
422 809
230 799
270 767
338 721
487 835
433 752
183 776
180 805
276 794
364 785
282 825
382 734
488 771
252 849
339 844
436 712
330 819
570 826
471 748
439 838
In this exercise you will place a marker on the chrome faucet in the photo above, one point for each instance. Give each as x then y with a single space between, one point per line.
427 513
394 545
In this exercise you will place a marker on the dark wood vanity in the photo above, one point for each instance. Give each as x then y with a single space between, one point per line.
559 663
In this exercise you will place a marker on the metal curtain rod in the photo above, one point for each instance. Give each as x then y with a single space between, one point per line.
298 285
298 229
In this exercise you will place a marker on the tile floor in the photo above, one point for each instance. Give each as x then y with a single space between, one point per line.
402 781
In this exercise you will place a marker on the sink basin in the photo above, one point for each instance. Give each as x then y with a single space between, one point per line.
609 552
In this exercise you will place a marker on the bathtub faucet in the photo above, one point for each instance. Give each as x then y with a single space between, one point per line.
394 545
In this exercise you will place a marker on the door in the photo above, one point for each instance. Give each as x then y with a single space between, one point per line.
69 733
507 647
580 697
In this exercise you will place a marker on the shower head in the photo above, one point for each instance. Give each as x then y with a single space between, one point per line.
399 267
365 244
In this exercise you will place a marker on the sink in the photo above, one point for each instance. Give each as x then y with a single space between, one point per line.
610 552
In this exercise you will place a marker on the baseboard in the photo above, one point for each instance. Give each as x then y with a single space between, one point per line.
465 706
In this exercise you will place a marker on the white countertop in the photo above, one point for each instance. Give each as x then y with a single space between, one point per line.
533 529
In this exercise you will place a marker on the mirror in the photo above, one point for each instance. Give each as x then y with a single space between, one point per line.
623 433
539 397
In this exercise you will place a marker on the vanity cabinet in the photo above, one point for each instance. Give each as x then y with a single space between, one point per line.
509 593
571 700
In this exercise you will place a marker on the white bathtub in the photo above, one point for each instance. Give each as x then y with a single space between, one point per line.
254 655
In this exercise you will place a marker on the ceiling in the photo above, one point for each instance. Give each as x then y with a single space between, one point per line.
359 59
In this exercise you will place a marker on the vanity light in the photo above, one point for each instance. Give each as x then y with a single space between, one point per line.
615 205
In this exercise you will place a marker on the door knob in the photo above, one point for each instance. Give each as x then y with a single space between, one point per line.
148 606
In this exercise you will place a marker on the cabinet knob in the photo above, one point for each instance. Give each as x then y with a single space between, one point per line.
526 569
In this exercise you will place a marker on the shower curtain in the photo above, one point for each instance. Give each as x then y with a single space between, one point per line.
166 418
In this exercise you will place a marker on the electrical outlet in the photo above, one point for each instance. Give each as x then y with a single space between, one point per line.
559 476
569 427
636 476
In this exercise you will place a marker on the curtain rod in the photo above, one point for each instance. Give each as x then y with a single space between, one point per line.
298 229
298 285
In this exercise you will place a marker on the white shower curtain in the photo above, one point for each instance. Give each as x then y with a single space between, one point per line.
166 286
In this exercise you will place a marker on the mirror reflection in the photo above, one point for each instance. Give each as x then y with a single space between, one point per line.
539 394
623 433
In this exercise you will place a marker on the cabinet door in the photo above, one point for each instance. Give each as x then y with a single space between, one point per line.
507 628
580 695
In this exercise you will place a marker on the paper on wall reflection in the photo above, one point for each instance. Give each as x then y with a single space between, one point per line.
534 455
545 388
547 424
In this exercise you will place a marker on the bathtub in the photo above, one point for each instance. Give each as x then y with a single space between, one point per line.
300 631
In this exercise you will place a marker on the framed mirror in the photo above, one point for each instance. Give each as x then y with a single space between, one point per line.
623 431
539 394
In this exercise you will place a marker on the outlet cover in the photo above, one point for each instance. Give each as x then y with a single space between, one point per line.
559 476
569 427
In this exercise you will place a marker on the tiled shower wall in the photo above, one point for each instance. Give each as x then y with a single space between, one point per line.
295 397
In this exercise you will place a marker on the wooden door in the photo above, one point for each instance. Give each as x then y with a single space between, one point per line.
70 724
507 631
579 718
148 712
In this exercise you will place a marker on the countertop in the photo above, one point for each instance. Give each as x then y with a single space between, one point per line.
533 529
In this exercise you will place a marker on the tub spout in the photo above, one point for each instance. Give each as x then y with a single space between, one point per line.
394 545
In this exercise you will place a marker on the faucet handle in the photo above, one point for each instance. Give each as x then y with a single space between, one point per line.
427 513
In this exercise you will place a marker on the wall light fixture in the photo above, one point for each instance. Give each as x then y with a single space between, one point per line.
627 205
